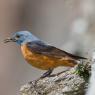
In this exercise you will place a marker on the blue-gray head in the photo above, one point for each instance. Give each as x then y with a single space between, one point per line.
22 37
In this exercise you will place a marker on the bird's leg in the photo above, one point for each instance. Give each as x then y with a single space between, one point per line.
35 81
43 76
47 73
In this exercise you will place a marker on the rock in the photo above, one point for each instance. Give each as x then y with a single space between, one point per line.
65 83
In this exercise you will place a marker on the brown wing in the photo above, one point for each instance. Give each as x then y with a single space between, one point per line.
41 48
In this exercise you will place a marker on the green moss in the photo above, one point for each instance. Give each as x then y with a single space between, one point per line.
83 71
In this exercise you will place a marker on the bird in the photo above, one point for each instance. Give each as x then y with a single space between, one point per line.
42 55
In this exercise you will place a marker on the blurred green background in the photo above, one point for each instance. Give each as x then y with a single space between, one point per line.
66 24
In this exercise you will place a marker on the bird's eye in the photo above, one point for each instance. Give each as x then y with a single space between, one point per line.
17 36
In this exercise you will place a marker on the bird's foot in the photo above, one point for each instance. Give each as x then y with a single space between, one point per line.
46 74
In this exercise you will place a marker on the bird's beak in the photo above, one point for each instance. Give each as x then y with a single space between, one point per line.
9 40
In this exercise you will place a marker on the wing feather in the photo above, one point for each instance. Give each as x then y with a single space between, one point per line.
47 50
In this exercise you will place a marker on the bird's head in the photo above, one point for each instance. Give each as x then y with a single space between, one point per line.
21 37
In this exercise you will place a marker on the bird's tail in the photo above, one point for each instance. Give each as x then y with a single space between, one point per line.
75 56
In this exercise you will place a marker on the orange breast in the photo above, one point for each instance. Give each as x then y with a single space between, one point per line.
44 62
